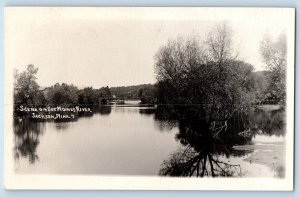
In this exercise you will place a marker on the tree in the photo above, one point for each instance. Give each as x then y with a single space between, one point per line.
274 54
147 95
26 89
175 63
105 92
208 92
63 94
261 84
90 97
87 96
215 82
219 43
177 58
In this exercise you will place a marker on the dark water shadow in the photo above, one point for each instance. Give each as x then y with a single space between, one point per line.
26 137
205 142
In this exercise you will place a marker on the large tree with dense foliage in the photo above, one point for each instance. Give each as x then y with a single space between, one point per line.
206 90
205 74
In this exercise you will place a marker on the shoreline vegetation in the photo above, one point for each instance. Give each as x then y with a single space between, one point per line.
201 79
63 96
189 71
202 86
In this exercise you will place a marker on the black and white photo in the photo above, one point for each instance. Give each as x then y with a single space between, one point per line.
149 98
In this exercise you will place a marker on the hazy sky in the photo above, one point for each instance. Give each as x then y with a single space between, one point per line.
98 47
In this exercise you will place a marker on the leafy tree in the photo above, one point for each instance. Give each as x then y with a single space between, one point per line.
261 82
26 89
274 54
147 95
204 88
105 92
65 95
87 96
214 83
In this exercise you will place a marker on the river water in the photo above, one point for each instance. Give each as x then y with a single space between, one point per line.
130 140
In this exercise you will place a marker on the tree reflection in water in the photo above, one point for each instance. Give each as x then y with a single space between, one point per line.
27 131
102 109
271 122
204 144
26 136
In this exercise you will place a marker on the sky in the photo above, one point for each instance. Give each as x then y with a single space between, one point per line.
116 47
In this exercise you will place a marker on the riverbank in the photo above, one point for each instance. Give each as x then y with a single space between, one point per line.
269 153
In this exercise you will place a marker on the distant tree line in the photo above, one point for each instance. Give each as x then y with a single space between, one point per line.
189 71
27 92
145 92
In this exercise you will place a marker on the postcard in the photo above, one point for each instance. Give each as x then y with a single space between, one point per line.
149 98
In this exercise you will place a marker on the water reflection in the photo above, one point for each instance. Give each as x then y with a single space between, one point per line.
101 109
27 131
207 143
205 148
26 135
60 126
203 141
270 122
147 111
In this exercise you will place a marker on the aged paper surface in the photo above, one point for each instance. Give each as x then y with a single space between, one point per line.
149 98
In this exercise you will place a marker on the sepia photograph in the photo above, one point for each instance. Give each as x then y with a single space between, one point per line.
149 98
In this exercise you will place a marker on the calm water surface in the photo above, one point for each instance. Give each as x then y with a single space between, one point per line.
126 140
122 142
